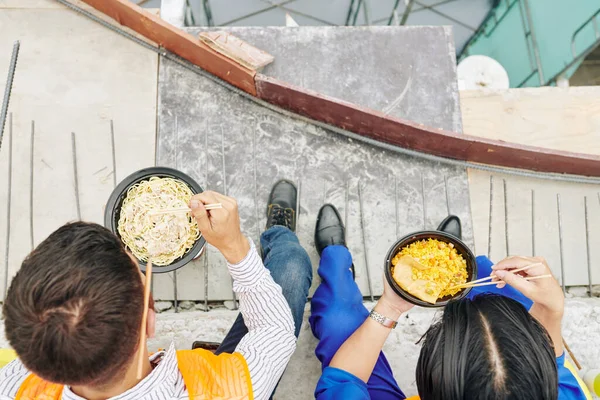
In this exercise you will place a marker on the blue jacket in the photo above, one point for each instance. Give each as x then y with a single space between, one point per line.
338 384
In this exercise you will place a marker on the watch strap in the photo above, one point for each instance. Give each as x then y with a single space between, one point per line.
383 320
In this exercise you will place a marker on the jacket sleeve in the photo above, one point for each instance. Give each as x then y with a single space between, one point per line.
270 341
339 384
570 387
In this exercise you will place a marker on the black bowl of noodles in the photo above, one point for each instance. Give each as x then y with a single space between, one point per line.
143 185
425 247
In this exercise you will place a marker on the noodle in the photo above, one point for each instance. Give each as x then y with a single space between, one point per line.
164 237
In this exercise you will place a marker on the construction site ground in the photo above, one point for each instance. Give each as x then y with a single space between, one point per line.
78 84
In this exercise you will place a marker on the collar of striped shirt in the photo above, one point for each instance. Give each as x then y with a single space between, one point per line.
164 382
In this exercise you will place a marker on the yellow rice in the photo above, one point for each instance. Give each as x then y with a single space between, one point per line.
447 267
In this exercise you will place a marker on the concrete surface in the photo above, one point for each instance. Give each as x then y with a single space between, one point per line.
73 75
408 73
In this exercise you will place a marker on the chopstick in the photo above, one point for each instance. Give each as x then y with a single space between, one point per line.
571 354
487 278
142 343
531 278
214 206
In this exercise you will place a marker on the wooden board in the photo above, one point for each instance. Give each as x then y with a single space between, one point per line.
406 134
545 232
556 118
177 41
236 49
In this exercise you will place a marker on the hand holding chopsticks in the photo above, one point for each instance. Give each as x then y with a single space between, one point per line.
482 281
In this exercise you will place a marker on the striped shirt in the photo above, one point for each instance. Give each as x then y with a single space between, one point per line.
267 347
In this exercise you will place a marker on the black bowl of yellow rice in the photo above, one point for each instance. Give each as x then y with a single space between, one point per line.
448 260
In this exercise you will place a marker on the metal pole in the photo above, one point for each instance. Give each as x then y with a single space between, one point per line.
350 8
347 204
396 205
366 11
407 12
491 209
423 198
357 12
8 88
75 178
396 4
8 202
189 14
365 246
114 157
448 17
534 43
298 205
560 239
447 194
506 217
587 247
31 184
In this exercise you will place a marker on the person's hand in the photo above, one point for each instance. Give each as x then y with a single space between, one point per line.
220 227
548 298
545 292
392 303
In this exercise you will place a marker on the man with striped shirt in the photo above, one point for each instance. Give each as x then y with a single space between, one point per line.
73 314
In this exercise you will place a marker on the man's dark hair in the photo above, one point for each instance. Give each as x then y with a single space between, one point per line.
74 309
487 348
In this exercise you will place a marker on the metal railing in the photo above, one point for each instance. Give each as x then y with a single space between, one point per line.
593 20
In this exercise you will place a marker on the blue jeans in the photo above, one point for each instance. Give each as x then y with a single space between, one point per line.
290 268
337 310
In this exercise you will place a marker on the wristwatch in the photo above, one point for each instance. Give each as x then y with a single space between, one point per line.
383 320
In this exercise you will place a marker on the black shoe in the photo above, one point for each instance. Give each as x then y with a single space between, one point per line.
330 228
281 209
451 225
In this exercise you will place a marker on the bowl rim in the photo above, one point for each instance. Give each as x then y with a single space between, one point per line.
118 194
419 235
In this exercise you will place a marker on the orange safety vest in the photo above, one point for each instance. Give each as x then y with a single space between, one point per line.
206 377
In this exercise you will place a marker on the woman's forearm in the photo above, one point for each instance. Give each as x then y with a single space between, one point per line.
358 355
552 322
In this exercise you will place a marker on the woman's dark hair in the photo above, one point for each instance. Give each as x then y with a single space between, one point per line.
73 311
488 347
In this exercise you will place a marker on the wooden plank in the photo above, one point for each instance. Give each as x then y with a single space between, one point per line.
177 41
555 118
418 137
546 222
237 49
